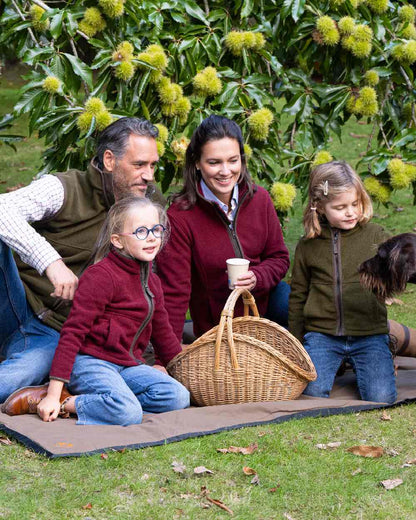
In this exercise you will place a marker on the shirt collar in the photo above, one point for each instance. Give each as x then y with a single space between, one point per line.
207 193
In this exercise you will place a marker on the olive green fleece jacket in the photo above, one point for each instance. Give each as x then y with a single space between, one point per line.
326 294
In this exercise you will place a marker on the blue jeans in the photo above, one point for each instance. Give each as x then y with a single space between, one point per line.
278 306
112 394
370 357
26 344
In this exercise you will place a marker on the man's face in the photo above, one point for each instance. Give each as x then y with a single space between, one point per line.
135 169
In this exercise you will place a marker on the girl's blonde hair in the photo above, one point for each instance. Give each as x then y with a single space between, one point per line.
327 181
116 217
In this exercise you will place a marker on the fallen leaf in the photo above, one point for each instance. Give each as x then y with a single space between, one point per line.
14 188
255 480
330 445
249 471
237 449
104 456
274 489
6 441
29 454
385 416
200 470
178 467
366 451
288 517
391 452
219 504
186 496
409 463
262 434
87 506
391 483
356 472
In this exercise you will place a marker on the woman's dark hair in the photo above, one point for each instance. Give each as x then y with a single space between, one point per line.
212 128
116 136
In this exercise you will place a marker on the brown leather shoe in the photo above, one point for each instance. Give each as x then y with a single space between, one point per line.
25 400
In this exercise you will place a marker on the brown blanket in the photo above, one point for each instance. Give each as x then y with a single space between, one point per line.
63 438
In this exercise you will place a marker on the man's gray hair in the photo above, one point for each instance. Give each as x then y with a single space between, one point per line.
116 136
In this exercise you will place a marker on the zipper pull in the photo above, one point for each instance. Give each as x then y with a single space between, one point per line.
335 242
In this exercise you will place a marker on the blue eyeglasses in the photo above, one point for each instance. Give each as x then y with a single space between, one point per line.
142 232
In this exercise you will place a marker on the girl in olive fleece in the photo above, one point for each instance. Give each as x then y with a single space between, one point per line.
336 318
118 307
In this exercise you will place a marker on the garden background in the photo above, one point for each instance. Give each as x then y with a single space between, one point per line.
296 479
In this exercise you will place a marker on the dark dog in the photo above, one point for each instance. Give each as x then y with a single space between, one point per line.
394 265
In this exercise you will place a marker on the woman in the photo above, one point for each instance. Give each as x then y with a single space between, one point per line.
219 214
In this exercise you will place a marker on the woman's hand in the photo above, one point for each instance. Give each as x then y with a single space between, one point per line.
246 281
48 408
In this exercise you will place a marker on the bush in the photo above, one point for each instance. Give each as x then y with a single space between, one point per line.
318 61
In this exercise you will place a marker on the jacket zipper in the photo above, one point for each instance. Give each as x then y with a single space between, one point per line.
235 242
336 250
144 280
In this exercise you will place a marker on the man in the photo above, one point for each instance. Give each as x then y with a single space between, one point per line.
52 225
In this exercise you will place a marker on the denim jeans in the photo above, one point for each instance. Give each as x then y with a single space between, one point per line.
278 306
26 344
113 394
369 355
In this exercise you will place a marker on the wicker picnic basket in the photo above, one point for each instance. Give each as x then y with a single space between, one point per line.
246 359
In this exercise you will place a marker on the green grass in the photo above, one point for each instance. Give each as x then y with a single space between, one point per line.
297 480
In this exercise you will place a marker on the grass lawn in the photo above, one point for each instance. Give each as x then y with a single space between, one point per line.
297 481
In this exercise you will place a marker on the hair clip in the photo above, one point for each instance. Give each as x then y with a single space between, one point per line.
313 208
326 188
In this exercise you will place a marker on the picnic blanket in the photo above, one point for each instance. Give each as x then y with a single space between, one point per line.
63 438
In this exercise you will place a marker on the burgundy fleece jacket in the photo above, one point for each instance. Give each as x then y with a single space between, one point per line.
192 265
115 298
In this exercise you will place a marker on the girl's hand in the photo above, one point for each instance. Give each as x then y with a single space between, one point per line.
246 281
48 408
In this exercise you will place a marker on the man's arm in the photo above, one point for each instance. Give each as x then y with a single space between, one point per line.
41 199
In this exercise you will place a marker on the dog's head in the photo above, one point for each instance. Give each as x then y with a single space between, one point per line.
388 272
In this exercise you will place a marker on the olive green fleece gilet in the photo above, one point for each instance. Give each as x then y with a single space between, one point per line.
72 232
326 295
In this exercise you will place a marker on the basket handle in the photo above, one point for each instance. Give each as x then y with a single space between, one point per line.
227 318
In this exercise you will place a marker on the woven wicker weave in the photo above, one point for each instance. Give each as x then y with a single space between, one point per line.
247 359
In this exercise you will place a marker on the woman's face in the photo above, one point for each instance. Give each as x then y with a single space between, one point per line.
220 166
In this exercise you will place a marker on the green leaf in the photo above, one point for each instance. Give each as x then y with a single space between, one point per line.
56 24
146 112
246 8
72 24
379 165
196 12
27 101
80 69
406 136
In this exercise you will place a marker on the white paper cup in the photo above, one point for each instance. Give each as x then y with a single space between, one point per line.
235 268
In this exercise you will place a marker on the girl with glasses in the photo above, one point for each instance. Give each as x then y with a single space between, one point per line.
117 309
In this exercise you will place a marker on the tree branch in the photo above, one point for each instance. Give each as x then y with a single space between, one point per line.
29 30
206 7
